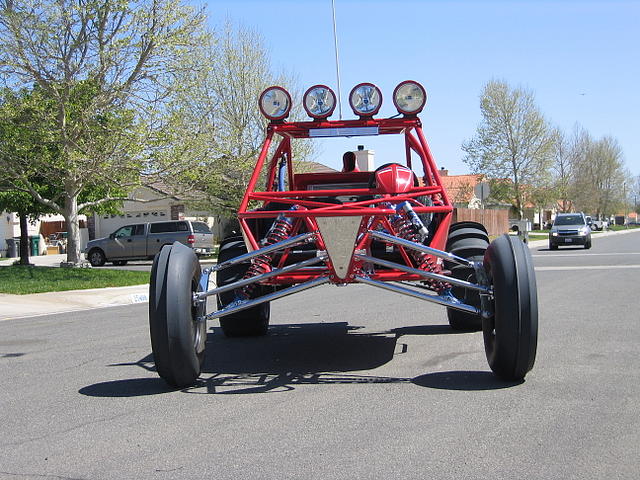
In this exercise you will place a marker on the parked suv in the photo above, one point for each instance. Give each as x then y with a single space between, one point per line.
570 229
142 241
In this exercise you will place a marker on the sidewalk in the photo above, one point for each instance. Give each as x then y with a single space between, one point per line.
19 306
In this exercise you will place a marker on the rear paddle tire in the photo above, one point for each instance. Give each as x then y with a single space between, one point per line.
252 322
511 332
177 337
467 240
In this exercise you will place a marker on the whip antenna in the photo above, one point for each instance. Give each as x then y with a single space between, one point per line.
335 42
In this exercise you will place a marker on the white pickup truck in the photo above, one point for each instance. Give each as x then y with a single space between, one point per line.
597 224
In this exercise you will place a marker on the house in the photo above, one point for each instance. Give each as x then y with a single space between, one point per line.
461 188
46 224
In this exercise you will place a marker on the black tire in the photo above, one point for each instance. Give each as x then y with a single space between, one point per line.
511 333
467 224
120 263
251 322
587 244
469 240
553 246
96 257
177 338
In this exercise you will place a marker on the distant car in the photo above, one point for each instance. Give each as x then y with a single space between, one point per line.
569 229
597 225
142 241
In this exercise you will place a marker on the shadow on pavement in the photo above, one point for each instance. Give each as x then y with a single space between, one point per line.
300 354
463 380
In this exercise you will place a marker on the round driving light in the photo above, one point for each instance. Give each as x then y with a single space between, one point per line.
275 103
409 97
365 99
319 101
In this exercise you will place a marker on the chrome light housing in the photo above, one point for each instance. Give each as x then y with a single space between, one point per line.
409 97
275 103
365 99
319 101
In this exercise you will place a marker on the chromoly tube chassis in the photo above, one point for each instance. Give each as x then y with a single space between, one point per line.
385 237
243 305
298 239
259 278
422 273
422 296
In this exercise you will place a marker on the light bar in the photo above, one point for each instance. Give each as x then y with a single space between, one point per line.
275 103
409 97
365 99
319 101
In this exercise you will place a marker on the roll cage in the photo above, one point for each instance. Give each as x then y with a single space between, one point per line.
306 201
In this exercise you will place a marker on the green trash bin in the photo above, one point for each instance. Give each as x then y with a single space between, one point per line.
35 245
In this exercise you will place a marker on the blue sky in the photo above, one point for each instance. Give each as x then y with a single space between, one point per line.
580 58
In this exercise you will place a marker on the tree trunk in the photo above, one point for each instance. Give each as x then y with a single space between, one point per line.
73 230
24 239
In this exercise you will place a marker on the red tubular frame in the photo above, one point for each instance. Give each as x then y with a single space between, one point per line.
374 211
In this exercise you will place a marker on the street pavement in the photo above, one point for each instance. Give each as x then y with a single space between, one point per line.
350 383
17 306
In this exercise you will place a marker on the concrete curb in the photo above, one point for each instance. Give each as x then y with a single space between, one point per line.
21 306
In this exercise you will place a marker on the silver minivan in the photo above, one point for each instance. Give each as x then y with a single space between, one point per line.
569 229
142 241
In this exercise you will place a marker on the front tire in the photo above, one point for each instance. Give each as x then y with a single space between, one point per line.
251 322
177 337
467 240
97 257
511 333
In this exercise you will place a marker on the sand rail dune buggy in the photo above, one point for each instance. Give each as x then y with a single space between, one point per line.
389 228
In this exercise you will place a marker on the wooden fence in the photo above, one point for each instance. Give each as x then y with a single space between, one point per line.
496 221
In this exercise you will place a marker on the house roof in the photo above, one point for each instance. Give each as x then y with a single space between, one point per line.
314 167
460 187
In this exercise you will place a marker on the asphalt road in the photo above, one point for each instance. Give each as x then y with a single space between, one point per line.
351 383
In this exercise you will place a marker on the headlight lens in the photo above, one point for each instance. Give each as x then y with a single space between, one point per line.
583 231
365 99
409 97
319 101
275 103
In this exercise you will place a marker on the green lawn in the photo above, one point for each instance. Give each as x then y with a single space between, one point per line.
22 280
622 227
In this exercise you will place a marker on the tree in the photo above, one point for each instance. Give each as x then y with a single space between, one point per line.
599 174
562 171
513 143
240 72
634 182
108 76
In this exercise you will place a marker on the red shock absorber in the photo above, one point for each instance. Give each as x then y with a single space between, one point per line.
407 225
280 230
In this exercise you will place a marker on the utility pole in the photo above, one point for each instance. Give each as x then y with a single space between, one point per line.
624 202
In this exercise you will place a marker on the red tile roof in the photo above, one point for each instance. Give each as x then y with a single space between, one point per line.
460 187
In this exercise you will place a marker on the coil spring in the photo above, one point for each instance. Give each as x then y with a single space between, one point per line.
279 231
404 229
